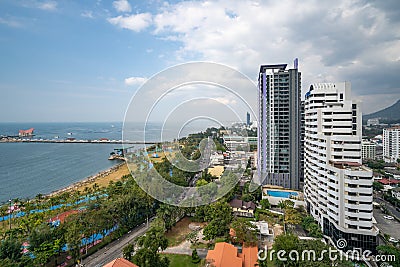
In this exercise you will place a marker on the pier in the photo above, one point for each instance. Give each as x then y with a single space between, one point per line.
73 141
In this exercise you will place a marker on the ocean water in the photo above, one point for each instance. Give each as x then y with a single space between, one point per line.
27 169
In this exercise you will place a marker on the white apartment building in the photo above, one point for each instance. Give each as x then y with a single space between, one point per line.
337 188
391 144
368 150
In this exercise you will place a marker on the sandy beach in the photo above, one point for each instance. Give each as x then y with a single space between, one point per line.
102 179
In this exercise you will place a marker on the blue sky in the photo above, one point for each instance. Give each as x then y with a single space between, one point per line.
84 60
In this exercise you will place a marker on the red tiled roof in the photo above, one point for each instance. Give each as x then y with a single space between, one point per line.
388 181
249 256
29 131
120 262
224 255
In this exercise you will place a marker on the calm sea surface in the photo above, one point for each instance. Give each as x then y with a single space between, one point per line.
27 169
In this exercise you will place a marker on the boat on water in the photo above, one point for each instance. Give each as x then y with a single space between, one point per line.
69 133
119 155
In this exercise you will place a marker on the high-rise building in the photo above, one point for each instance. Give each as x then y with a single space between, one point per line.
248 122
279 159
391 144
337 187
368 150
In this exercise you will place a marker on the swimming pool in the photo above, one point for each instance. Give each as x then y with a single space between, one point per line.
283 194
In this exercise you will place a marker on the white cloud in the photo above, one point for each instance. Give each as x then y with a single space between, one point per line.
122 6
356 41
49 5
87 14
133 22
352 41
11 22
135 81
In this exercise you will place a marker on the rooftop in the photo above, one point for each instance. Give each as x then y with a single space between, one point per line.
224 255
120 262
237 203
386 181
274 66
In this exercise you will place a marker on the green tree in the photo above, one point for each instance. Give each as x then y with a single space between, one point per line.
265 204
43 253
127 251
195 257
193 237
292 216
219 216
390 250
149 245
10 248
377 186
245 232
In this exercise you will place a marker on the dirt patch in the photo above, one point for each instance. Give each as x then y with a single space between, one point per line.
178 233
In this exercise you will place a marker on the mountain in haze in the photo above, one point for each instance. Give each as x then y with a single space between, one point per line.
389 115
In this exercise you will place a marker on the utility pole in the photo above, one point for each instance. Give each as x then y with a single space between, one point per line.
10 213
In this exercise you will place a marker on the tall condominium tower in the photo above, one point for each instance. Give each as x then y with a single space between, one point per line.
279 159
248 122
337 188
391 144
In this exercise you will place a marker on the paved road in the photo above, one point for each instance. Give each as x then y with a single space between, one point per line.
390 227
114 249
389 206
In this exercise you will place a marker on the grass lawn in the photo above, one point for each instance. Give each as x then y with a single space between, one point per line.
181 261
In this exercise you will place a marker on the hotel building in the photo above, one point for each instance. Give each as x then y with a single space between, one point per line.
337 187
279 159
391 144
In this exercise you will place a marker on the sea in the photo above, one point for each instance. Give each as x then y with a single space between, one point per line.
29 169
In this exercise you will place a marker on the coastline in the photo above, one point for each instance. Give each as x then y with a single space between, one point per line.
102 179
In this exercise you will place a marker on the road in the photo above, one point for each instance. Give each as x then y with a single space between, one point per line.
390 227
114 249
388 206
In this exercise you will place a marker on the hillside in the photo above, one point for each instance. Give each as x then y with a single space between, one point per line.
390 114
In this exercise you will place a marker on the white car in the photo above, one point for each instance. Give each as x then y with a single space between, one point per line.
388 217
394 240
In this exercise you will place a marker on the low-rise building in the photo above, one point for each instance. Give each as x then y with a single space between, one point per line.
226 255
263 229
373 122
242 208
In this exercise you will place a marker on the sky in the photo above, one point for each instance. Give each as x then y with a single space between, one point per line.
85 60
